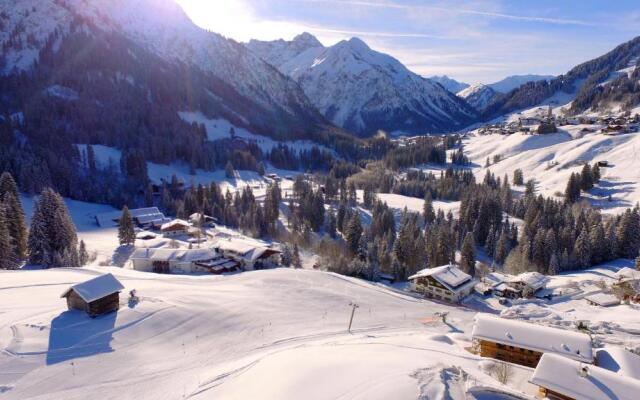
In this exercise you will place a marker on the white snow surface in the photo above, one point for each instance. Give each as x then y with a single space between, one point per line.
219 128
275 334
511 82
479 96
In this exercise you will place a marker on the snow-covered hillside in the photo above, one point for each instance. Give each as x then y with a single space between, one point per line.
227 337
158 26
450 84
478 96
363 90
550 160
511 82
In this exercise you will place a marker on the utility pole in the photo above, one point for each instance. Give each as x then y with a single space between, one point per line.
353 311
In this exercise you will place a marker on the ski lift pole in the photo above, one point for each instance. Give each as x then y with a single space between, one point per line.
353 311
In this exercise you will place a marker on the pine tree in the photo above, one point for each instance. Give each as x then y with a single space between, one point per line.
572 191
554 265
353 233
428 213
126 231
8 185
7 254
586 181
468 254
52 241
83 255
287 255
518 177
332 225
502 248
16 224
295 259
229 171
596 173
582 250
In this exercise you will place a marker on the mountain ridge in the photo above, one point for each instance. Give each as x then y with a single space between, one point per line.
363 90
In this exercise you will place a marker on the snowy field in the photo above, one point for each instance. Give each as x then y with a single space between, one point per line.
278 334
551 159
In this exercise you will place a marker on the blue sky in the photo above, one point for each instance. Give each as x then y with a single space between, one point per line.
473 41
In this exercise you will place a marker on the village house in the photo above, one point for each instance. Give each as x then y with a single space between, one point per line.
523 285
562 378
197 218
248 253
602 300
524 343
447 282
489 282
142 217
96 296
176 227
178 261
615 129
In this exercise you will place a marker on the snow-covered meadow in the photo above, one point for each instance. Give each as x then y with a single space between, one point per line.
551 159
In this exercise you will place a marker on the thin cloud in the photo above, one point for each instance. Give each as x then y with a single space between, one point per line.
379 34
463 11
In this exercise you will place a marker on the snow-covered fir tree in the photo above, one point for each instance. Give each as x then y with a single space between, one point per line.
53 241
126 231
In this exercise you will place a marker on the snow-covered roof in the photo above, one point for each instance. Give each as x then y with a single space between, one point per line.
152 218
95 288
539 338
175 222
503 287
111 219
585 382
145 234
197 216
619 360
494 278
534 280
449 275
249 250
628 273
164 254
603 299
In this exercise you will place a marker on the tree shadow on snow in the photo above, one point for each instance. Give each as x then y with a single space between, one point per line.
74 334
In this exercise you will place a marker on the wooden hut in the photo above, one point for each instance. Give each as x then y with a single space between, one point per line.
524 343
561 378
96 296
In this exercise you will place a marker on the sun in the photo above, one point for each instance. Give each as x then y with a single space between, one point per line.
237 19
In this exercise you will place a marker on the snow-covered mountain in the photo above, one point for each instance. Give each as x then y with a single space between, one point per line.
602 84
239 82
363 90
511 82
479 96
450 84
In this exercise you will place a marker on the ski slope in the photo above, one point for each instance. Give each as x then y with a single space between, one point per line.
551 159
276 334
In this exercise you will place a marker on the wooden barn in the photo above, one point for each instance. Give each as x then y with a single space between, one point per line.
524 343
96 296
175 228
561 378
